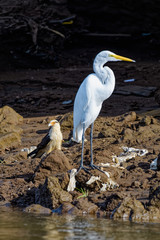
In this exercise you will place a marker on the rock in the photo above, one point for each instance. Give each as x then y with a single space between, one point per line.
127 135
107 132
51 194
38 209
85 206
57 161
155 198
128 117
5 206
9 119
146 120
21 156
9 140
145 184
152 215
67 121
136 184
130 207
112 202
9 130
65 181
68 208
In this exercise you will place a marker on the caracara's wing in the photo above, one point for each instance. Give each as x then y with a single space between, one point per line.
40 146
44 142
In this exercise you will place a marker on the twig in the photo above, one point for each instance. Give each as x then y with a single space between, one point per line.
35 26
52 30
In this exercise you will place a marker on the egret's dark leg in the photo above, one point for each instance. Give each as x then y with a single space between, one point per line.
91 162
91 138
81 163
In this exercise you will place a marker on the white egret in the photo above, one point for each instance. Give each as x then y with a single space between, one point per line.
95 88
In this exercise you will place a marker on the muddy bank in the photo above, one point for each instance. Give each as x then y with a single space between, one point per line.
132 188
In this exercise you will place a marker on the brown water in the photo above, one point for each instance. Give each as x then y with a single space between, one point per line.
22 226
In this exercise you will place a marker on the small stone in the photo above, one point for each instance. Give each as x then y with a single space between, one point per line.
145 184
69 208
85 206
136 184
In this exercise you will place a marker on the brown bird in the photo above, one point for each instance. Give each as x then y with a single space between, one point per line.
52 141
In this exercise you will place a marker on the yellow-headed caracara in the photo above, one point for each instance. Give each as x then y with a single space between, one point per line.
52 141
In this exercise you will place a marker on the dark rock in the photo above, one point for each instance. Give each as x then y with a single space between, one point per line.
155 198
51 194
56 161
158 162
38 209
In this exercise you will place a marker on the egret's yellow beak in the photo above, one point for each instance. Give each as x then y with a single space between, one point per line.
121 58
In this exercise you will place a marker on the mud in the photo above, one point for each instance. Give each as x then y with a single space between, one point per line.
26 182
41 90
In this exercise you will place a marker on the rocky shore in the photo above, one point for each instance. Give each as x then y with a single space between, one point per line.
131 191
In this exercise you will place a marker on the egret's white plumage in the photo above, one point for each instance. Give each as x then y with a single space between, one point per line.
95 88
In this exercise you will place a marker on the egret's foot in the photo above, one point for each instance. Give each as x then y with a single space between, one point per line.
83 168
96 167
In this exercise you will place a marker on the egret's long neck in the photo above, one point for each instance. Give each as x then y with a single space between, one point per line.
99 69
106 76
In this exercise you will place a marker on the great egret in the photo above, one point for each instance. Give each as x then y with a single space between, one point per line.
52 141
95 88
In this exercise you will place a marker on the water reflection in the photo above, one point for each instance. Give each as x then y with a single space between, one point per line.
23 226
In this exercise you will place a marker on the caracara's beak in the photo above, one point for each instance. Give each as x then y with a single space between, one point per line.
121 58
51 123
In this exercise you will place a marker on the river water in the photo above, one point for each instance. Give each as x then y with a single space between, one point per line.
23 226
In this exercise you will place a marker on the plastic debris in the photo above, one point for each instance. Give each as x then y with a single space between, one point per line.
140 152
128 153
129 80
72 181
93 179
110 165
28 150
153 165
67 102
110 184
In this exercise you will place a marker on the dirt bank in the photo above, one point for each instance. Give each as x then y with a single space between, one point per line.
28 182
